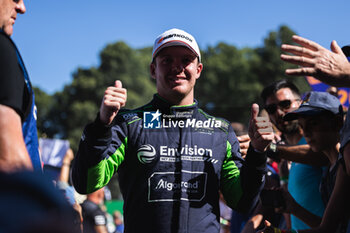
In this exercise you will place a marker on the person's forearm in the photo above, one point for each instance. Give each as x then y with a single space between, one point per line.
302 154
306 216
88 156
252 178
64 175
13 152
66 163
337 209
94 166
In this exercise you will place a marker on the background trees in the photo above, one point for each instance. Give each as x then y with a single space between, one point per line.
231 81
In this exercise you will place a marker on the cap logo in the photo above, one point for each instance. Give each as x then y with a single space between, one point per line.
160 40
175 35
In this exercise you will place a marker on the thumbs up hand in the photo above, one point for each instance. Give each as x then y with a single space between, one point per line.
113 99
260 130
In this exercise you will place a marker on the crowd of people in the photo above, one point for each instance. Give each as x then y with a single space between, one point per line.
288 173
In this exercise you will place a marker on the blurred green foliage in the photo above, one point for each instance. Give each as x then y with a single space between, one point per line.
231 81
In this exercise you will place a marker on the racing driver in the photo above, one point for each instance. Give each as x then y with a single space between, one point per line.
172 158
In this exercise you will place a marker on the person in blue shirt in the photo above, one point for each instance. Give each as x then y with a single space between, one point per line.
321 117
280 98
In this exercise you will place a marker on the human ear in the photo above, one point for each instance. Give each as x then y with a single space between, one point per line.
152 68
199 69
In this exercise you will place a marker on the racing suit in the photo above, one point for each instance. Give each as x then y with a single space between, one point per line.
170 167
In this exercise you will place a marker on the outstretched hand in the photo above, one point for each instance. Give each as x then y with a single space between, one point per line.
113 99
329 66
260 130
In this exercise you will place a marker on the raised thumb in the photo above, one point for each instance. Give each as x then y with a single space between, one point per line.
118 84
335 47
254 111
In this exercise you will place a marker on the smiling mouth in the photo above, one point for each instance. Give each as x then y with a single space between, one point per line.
178 78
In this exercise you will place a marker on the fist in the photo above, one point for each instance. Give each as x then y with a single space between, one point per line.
260 130
113 100
244 141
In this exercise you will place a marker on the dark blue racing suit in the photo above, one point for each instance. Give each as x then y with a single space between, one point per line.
170 167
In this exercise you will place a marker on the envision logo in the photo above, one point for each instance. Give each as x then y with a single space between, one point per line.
186 150
146 154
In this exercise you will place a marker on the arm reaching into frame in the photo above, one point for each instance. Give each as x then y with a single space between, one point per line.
328 66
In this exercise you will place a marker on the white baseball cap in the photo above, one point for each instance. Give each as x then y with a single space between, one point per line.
175 37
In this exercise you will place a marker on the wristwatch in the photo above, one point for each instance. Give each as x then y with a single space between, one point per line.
273 147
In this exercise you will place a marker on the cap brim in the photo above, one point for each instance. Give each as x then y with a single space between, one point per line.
303 111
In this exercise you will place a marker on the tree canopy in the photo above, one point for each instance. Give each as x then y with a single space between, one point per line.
231 81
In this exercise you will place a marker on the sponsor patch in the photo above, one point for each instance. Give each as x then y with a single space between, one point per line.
151 120
128 116
155 120
146 154
186 153
176 186
100 220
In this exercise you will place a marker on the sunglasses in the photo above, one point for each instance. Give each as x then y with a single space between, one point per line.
284 104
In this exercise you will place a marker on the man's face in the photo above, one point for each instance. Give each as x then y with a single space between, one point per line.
279 105
176 70
8 14
319 131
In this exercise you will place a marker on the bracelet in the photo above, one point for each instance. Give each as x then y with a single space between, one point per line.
65 164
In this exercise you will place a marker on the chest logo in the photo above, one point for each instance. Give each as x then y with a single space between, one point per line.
152 120
146 154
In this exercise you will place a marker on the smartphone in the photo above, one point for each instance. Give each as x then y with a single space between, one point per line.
272 198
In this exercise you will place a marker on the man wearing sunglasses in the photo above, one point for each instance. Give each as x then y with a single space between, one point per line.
280 98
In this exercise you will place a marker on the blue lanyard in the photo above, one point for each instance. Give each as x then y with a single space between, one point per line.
21 63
